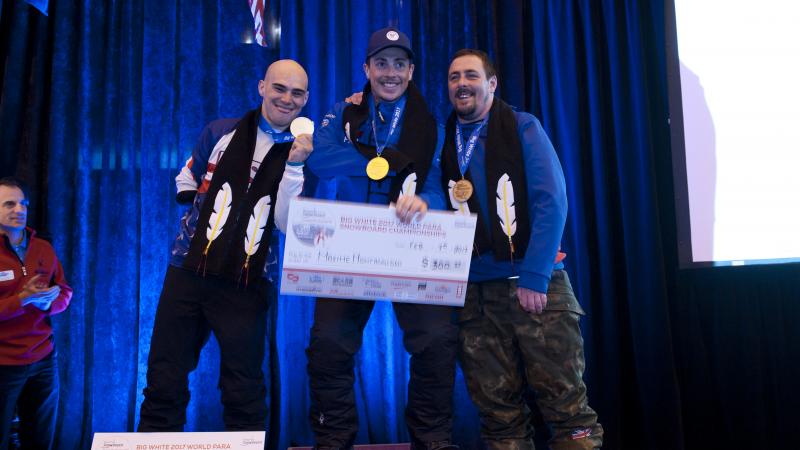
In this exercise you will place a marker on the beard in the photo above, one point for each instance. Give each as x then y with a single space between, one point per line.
474 106
466 112
469 110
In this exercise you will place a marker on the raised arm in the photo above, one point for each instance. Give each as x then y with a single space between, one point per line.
292 182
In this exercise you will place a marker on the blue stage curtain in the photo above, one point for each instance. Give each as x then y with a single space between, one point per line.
102 102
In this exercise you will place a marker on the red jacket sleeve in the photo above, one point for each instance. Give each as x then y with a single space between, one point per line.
62 301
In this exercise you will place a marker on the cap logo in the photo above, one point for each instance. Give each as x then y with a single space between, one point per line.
392 35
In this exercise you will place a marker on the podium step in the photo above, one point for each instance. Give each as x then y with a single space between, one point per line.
405 446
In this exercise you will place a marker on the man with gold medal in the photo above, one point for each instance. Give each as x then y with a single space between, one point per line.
381 151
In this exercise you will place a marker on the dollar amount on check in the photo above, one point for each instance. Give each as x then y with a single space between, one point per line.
363 252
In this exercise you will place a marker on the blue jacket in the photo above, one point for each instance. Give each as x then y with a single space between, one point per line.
342 169
547 207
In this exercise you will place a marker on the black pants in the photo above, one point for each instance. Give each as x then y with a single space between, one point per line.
429 335
33 390
189 309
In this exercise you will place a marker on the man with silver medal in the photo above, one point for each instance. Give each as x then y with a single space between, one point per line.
383 150
238 181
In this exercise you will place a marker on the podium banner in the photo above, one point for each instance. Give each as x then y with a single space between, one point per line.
235 440
363 252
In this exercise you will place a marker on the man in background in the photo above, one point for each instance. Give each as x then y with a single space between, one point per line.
32 289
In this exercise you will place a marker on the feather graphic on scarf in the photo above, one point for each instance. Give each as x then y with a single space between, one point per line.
222 208
255 227
255 231
505 208
409 185
459 207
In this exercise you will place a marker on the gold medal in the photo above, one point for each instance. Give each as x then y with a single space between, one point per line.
377 168
462 191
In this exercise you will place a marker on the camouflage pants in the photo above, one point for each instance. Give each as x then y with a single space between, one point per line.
505 350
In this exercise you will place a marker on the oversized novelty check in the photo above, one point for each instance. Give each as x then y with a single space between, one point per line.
357 251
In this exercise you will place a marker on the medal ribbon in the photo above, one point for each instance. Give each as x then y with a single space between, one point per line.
278 136
465 156
398 111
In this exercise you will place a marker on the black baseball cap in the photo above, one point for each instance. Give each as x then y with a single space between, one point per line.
388 37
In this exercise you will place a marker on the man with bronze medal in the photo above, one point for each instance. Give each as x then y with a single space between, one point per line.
519 328
239 181
462 190
381 151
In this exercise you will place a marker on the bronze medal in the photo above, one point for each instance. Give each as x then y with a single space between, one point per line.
462 190
377 168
